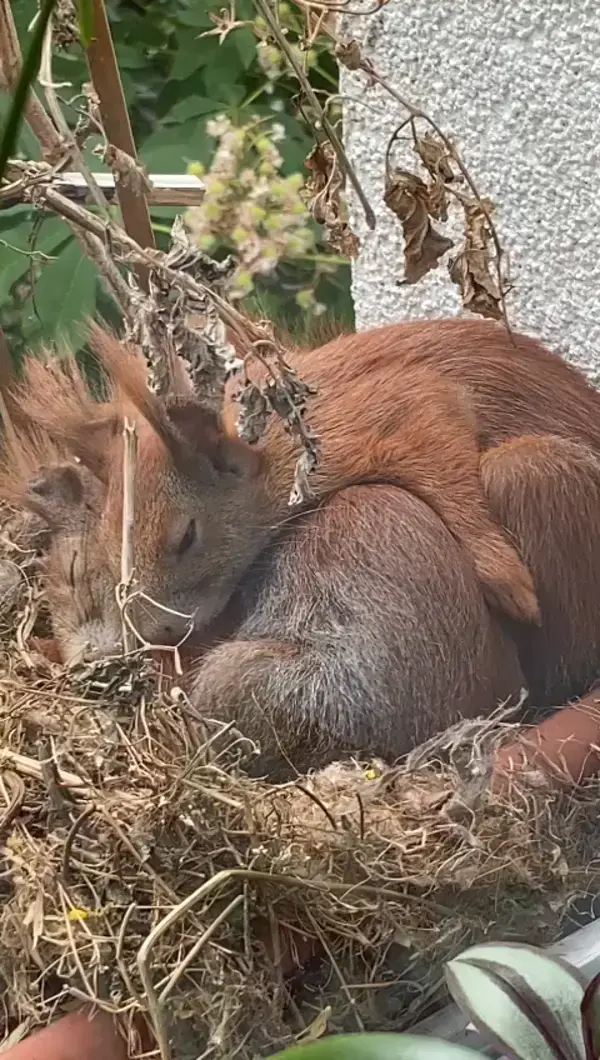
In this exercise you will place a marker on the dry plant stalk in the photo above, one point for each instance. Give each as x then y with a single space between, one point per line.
130 440
321 116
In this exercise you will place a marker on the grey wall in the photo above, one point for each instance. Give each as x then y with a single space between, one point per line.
517 86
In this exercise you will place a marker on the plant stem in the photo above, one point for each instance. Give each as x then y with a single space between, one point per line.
265 9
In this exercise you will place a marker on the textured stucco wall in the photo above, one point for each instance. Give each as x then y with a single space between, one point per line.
517 86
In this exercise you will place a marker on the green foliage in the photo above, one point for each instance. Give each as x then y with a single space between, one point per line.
85 19
175 80
526 1004
31 64
377 1047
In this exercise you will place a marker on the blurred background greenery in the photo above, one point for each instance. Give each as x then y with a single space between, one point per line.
229 111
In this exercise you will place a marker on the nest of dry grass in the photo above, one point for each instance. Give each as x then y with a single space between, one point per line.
142 870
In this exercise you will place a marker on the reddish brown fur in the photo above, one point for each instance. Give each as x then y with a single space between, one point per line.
356 639
545 491
79 585
433 453
413 405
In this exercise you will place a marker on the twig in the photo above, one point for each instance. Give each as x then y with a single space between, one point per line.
56 146
266 11
338 971
319 802
29 767
217 881
127 547
126 248
87 812
94 248
63 896
46 80
199 943
12 789
126 841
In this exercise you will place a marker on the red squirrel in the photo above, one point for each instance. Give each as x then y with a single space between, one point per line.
407 594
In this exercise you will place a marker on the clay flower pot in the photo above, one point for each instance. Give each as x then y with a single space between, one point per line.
77 1036
565 747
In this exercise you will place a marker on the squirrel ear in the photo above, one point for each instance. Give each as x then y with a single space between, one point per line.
55 493
202 435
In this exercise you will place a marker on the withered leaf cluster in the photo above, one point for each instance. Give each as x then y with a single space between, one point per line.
172 321
418 202
349 54
324 194
66 30
286 395
472 268
409 198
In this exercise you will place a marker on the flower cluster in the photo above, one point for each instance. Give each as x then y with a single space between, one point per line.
250 207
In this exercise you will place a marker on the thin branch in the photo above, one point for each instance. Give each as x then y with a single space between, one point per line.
127 554
265 9
47 82
95 249
125 248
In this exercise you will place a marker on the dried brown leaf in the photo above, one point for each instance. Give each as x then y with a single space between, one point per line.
127 169
348 53
473 269
65 30
254 412
411 200
438 200
324 194
435 156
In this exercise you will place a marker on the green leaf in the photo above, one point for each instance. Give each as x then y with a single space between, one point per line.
223 69
129 57
28 74
85 19
171 149
191 107
27 145
20 244
377 1047
523 1001
590 1018
196 15
191 55
245 42
65 293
